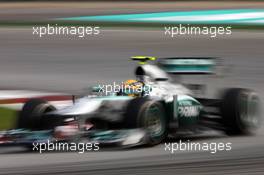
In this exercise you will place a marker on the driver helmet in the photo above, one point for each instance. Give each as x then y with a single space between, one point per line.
132 88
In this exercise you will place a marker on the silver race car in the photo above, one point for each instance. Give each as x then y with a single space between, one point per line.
145 110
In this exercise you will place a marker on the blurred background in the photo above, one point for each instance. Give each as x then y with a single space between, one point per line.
67 64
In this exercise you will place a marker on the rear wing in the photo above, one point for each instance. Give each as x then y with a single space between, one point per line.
188 65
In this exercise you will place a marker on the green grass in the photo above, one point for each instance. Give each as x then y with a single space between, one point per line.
8 118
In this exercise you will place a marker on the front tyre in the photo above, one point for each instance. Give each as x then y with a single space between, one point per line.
31 115
241 111
149 115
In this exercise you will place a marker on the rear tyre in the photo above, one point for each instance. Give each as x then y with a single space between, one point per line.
241 111
32 112
149 115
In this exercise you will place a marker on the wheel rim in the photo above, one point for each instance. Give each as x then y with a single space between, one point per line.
153 121
249 110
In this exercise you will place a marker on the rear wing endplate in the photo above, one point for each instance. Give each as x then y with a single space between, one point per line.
188 65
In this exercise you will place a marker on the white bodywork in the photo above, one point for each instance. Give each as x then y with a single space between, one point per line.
150 75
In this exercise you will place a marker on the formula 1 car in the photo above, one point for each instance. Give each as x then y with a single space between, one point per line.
147 109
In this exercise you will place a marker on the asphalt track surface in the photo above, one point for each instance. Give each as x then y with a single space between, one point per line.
58 63
70 63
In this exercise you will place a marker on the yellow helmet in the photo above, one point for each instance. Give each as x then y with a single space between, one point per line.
132 87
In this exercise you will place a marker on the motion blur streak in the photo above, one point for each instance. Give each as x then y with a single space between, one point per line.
63 64
46 10
45 63
31 62
247 157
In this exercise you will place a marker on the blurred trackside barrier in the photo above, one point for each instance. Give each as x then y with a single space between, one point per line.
11 102
198 17
124 0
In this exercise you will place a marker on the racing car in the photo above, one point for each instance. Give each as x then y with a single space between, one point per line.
148 108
